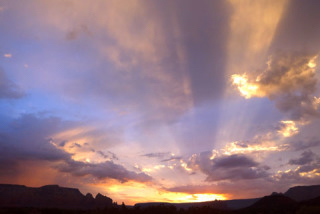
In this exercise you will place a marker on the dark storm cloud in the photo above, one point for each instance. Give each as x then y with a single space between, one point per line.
306 158
28 139
227 167
9 89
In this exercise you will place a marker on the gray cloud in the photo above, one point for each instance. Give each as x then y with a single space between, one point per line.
9 89
305 144
235 190
227 167
306 158
234 161
77 31
165 156
290 81
108 155
27 139
106 169
171 159
157 154
295 178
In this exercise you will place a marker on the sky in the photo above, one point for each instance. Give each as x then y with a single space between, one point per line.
151 100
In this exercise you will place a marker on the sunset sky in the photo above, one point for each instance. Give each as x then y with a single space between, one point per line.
157 100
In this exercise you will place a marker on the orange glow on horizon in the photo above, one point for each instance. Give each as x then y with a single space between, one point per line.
133 192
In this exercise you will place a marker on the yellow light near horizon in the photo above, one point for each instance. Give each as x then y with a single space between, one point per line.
201 197
133 192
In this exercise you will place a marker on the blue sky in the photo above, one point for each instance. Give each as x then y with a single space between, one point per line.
160 100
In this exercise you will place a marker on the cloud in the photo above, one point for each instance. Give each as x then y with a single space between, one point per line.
300 176
29 138
76 31
306 158
157 155
306 171
289 80
227 167
8 89
287 128
165 156
259 144
171 159
108 155
7 55
103 170
298 145
234 161
233 190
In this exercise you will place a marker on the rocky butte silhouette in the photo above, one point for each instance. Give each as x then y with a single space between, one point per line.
50 196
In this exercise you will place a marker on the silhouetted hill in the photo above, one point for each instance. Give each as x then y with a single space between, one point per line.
302 193
221 205
312 202
274 201
293 195
273 204
55 199
50 196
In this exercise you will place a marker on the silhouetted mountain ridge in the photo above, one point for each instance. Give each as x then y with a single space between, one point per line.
303 193
54 196
49 196
289 198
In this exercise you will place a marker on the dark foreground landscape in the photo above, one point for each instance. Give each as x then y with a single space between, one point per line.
53 199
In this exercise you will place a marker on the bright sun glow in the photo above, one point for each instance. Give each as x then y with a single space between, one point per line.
235 148
138 192
245 88
289 128
312 63
201 197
